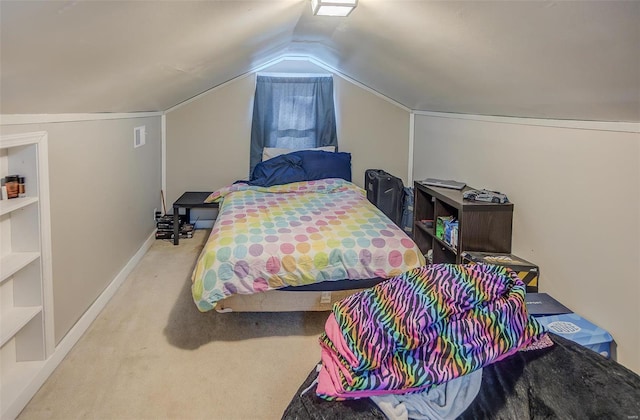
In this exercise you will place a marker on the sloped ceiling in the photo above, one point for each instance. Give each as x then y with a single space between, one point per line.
542 59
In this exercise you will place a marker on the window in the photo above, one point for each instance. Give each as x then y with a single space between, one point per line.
292 113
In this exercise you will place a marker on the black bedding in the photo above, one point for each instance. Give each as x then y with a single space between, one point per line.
565 381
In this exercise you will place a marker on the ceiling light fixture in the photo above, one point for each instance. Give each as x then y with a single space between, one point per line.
333 7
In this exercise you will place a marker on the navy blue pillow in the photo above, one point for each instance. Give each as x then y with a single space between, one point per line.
319 164
279 170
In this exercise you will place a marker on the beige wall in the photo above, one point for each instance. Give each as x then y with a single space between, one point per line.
103 192
208 139
374 131
577 214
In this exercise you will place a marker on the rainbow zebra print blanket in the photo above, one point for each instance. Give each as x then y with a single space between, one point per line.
423 328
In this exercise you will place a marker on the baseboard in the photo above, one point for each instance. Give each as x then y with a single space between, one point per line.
76 332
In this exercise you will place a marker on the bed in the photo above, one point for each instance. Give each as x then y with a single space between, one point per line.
443 324
294 238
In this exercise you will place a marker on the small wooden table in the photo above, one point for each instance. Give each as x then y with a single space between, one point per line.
188 201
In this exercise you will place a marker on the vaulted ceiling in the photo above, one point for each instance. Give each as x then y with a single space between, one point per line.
542 59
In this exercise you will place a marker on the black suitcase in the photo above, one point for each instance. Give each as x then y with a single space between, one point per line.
386 192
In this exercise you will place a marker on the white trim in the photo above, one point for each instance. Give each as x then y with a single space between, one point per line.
76 332
17 119
45 244
20 139
275 74
285 57
412 133
627 127
163 131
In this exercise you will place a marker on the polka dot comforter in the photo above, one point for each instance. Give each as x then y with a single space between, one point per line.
296 234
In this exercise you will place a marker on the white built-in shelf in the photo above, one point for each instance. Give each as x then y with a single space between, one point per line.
26 317
12 263
7 206
14 319
19 377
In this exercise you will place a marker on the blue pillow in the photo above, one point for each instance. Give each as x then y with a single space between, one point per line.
279 170
320 164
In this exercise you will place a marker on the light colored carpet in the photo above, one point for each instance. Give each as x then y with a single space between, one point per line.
151 355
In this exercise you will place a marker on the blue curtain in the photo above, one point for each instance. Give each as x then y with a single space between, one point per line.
292 113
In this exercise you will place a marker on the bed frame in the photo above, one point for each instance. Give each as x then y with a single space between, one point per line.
283 301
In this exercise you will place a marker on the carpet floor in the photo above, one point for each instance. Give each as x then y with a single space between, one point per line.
151 355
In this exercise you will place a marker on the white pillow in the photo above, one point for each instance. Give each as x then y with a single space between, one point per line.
271 152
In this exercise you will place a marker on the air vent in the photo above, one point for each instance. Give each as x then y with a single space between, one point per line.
139 134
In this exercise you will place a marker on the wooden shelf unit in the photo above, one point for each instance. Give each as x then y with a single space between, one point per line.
481 226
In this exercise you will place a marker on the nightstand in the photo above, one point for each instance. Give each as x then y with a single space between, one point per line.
188 201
